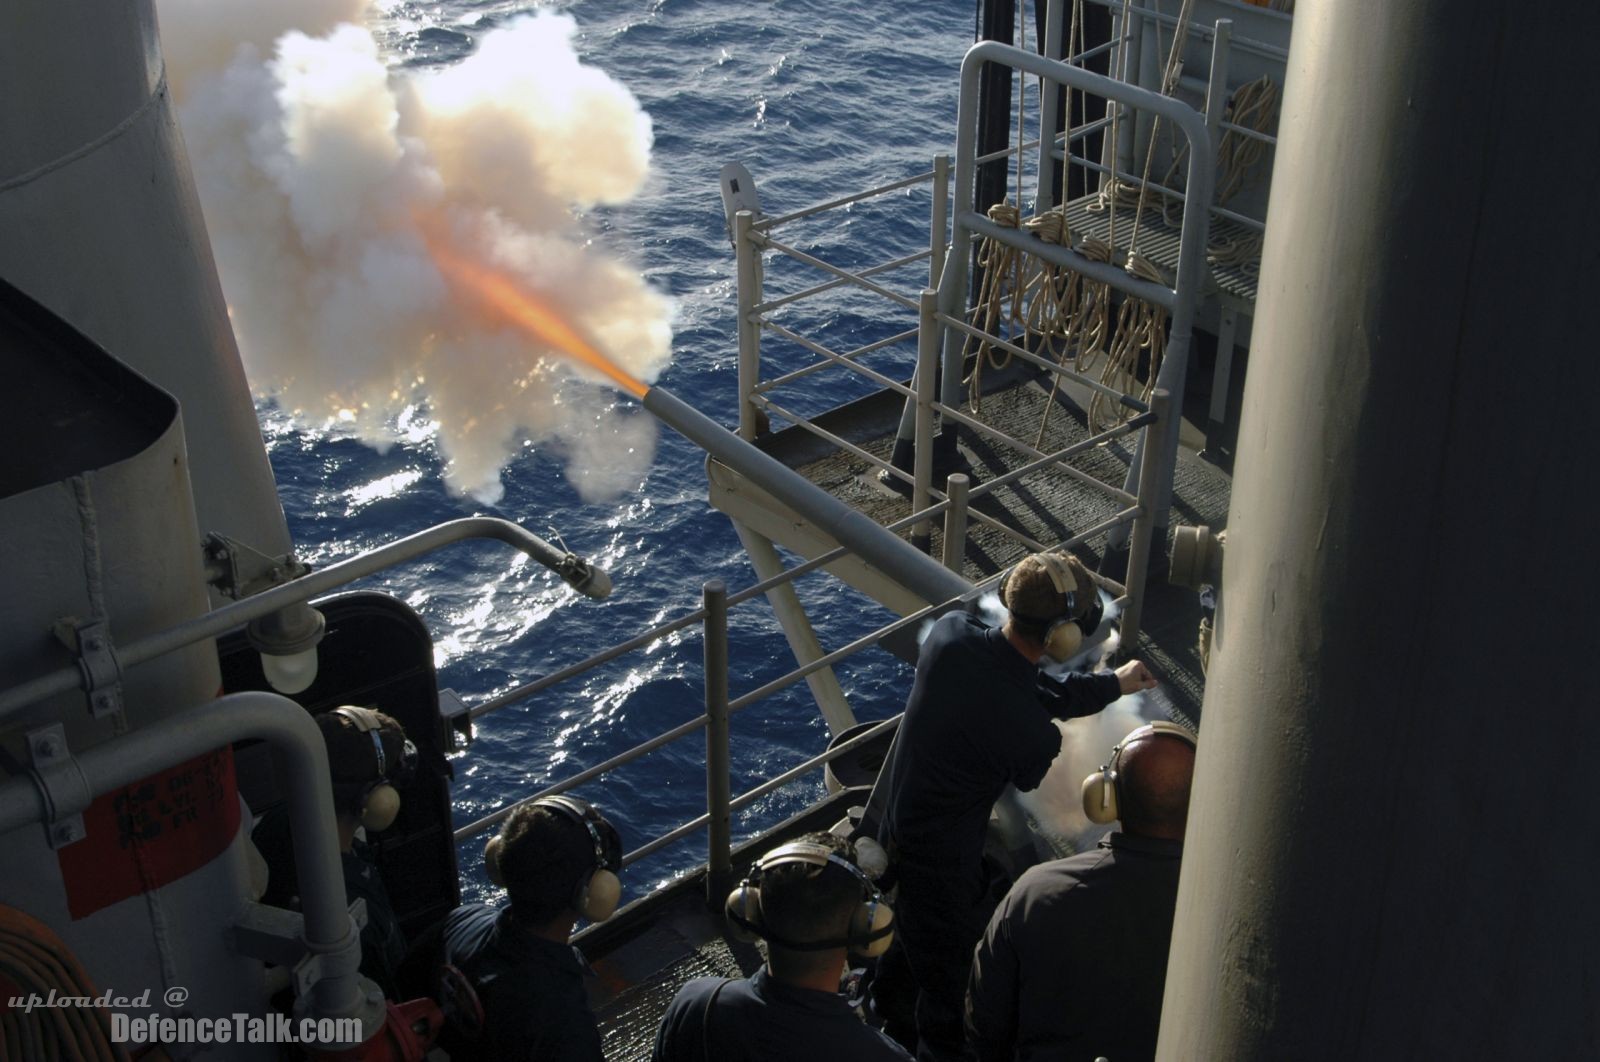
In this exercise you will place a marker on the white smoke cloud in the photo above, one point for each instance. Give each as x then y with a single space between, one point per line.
321 169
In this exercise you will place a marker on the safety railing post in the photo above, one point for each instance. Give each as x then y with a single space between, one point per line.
747 257
955 522
928 336
719 862
1152 458
940 219
1217 81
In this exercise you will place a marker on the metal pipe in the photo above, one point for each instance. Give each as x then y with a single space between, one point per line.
882 549
803 643
719 860
748 267
955 522
1144 525
1217 82
579 574
927 353
1046 193
939 219
284 725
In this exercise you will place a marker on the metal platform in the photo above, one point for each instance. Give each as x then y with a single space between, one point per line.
1048 506
1158 241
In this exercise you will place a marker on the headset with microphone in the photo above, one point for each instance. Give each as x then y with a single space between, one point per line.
380 797
871 924
1102 790
599 890
1066 630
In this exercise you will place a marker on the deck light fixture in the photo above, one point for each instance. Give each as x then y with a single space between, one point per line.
287 641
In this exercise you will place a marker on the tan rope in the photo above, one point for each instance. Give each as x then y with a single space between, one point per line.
1002 274
1253 106
1141 329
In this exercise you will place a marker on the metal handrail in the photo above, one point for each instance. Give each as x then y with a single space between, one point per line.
860 352
827 267
766 224
839 282
231 617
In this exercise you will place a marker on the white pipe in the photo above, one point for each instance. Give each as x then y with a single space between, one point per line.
283 724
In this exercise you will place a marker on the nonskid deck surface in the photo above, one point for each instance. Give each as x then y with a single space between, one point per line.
1048 506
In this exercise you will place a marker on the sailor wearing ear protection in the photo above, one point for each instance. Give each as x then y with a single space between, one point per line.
979 718
1074 962
557 858
370 762
813 906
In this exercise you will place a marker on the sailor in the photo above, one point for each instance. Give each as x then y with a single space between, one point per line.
557 857
1074 962
979 718
369 760
813 906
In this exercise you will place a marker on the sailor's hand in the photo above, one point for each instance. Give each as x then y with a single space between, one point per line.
1134 676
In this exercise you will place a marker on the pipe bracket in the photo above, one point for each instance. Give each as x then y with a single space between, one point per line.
61 783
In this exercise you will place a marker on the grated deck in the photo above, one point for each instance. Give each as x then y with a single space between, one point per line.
1049 506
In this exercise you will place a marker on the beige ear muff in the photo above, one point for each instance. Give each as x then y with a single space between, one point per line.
381 808
491 861
743 912
1063 641
872 917
1100 795
1100 788
598 896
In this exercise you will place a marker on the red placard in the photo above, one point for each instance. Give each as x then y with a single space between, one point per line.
151 833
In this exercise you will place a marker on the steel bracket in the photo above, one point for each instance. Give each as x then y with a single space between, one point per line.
62 784
238 570
101 670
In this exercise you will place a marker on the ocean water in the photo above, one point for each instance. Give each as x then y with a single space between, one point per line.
818 98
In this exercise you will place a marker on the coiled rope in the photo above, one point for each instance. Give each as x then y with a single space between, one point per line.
36 961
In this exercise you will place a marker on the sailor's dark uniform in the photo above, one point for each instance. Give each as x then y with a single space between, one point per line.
979 718
383 945
1074 962
760 1019
532 990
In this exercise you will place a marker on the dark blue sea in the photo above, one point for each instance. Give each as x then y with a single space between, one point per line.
818 98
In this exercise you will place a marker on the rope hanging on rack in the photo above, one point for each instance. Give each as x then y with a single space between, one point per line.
1002 275
1141 329
1141 332
1065 305
1252 106
1004 270
1083 320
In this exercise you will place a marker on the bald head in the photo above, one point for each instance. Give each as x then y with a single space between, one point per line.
1153 792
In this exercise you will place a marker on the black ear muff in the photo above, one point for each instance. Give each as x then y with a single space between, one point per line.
871 928
1102 789
600 891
